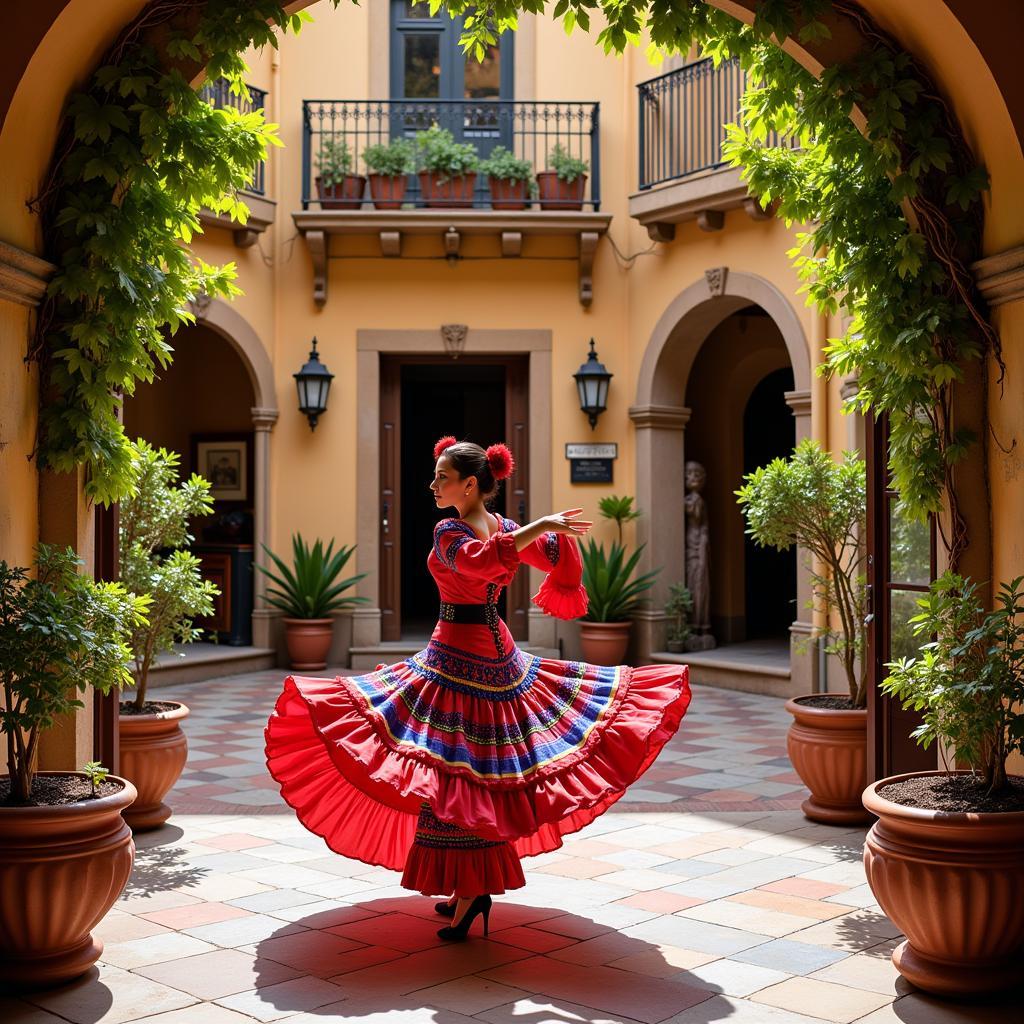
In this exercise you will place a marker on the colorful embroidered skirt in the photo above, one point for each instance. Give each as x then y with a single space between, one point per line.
515 750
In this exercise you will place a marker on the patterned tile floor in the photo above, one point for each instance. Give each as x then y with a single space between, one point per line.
704 896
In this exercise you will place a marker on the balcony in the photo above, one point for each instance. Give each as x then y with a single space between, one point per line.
682 173
530 130
261 209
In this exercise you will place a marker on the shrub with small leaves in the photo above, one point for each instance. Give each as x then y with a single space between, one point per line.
441 155
391 159
334 161
506 166
568 168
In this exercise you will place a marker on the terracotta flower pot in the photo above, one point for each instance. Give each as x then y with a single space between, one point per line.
604 643
308 641
388 190
344 195
556 194
453 191
508 194
828 749
153 753
953 883
61 869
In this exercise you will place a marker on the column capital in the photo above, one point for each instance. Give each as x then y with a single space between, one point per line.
660 417
1000 277
263 419
799 402
23 276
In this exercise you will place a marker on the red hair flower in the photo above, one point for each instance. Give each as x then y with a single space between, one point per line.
499 458
446 442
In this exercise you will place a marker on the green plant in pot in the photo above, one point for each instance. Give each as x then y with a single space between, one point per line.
307 592
817 503
563 186
153 526
447 168
614 593
336 185
65 853
510 179
678 607
388 164
957 832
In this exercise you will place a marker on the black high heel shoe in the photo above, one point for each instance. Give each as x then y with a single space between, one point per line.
459 932
445 909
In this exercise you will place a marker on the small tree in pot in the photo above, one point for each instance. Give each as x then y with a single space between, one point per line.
510 179
388 164
153 531
813 501
307 592
65 853
957 833
448 175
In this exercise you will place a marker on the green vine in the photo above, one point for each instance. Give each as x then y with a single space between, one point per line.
139 155
895 211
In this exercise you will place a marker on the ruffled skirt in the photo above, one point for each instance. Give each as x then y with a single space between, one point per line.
517 751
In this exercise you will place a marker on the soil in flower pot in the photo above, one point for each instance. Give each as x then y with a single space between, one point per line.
508 193
153 752
827 744
955 794
388 190
454 191
64 860
344 195
556 194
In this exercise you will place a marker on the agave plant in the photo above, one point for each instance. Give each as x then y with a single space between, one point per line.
606 575
310 588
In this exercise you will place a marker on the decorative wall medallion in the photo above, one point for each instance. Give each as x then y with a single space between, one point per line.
454 336
715 278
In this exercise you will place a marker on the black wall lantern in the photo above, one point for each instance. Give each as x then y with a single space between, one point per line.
592 383
313 382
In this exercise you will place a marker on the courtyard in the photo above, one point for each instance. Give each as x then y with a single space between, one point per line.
704 895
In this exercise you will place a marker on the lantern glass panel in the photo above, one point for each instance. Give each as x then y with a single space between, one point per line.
602 394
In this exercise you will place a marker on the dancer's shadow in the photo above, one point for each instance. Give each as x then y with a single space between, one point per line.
384 956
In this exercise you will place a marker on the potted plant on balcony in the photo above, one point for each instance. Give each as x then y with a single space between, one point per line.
448 168
811 500
336 185
307 593
388 164
65 854
563 186
944 857
678 607
510 179
153 533
612 592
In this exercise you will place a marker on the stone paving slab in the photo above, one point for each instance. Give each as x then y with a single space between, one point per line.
688 903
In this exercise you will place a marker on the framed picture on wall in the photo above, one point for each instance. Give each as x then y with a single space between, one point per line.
225 462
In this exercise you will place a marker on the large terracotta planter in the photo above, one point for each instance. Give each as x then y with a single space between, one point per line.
308 641
508 193
604 643
153 753
345 195
953 883
61 869
453 191
828 749
555 194
388 190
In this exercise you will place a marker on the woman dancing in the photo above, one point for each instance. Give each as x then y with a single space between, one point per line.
453 764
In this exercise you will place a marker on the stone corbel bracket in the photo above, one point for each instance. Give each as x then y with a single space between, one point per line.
261 216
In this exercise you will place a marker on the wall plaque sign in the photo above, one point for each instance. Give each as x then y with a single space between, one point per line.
591 463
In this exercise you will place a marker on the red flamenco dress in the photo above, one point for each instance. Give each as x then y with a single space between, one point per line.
453 764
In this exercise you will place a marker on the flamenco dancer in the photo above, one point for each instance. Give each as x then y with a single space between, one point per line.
453 764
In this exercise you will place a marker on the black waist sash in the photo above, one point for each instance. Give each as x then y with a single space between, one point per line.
468 614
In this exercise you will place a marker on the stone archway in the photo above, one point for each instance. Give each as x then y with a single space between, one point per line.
227 322
660 419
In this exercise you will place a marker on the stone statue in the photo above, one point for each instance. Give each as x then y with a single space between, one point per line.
698 578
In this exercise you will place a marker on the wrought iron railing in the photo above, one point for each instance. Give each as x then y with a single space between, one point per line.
681 118
530 130
218 94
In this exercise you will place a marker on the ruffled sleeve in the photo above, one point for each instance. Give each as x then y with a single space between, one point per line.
458 547
562 593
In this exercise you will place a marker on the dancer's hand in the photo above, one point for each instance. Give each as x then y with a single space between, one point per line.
568 522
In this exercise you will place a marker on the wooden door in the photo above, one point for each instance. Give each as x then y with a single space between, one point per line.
389 503
901 563
517 434
105 745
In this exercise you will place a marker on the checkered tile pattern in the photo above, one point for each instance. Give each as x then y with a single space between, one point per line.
703 896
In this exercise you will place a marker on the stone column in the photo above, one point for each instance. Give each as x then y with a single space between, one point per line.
803 663
263 617
660 489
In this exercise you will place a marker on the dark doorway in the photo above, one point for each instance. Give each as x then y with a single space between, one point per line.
463 399
769 431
